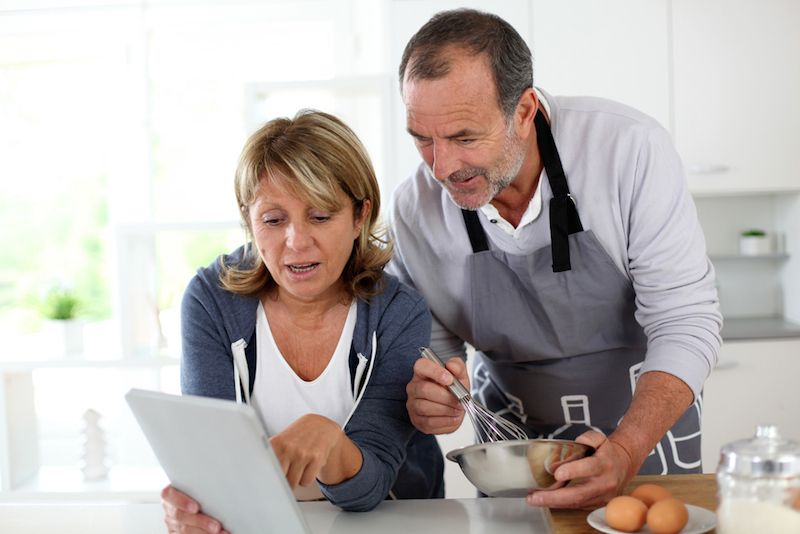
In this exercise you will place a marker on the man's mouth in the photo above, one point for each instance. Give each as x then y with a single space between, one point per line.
464 176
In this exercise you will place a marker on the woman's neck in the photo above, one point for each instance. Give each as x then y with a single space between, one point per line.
306 314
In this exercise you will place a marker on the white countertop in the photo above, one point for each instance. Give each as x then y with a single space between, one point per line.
460 516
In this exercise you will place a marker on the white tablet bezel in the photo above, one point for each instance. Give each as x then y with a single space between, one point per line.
218 452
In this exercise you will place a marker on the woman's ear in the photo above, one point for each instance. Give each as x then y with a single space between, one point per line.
366 208
361 217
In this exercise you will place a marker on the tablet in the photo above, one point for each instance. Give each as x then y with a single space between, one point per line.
217 452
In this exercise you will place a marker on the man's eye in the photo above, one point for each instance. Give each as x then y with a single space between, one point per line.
465 141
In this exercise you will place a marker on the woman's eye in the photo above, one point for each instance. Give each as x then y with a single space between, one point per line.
272 221
320 218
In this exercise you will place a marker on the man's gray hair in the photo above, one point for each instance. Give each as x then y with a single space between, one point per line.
426 58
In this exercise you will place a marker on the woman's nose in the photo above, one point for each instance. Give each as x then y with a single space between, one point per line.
298 236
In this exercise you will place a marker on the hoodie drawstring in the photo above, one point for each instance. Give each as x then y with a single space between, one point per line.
241 374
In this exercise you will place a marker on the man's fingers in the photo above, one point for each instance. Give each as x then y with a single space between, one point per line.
425 392
428 370
458 368
577 496
592 438
426 408
438 425
583 468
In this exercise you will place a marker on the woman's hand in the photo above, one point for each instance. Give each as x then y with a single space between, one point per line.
182 515
315 447
596 479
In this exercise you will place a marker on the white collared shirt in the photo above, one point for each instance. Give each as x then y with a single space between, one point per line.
534 206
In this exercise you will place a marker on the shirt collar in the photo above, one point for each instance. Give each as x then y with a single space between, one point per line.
534 208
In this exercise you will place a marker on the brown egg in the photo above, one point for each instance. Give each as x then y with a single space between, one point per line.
667 516
626 513
650 493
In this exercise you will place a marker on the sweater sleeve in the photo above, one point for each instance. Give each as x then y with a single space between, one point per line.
380 426
676 299
206 364
443 342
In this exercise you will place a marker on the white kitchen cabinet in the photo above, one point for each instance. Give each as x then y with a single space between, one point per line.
754 383
736 87
617 49
41 440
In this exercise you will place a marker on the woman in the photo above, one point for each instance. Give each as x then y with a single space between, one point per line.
303 323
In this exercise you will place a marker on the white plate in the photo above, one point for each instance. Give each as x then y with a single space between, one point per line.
700 520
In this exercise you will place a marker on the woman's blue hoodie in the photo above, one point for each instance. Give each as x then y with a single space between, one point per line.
218 328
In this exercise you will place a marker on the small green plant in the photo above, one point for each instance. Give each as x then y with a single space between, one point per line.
60 304
753 233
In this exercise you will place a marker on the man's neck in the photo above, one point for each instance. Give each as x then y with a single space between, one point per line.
512 202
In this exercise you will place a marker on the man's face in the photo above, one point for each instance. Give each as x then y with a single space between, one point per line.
461 133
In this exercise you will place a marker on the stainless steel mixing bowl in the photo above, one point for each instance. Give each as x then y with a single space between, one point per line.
512 468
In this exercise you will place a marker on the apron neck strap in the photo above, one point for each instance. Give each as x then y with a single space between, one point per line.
477 237
564 219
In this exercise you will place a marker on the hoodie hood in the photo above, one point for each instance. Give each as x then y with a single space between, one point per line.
237 314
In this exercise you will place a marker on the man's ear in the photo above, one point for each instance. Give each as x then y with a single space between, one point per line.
527 108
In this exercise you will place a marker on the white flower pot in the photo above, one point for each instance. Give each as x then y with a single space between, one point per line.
66 335
754 245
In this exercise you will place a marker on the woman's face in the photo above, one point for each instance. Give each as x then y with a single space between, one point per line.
305 249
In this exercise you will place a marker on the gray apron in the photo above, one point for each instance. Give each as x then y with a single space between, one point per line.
558 349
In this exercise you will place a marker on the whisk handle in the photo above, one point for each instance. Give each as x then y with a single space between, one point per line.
456 387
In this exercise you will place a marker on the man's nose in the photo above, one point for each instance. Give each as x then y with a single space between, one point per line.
444 161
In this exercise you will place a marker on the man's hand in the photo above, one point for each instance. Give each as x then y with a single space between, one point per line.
182 515
658 402
596 479
432 407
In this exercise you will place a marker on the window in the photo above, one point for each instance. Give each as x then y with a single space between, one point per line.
120 126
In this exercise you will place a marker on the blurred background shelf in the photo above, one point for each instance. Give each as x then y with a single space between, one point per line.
60 483
740 257
753 328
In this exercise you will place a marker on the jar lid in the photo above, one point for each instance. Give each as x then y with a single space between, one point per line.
764 455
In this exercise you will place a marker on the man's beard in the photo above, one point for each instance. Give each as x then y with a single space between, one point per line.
498 177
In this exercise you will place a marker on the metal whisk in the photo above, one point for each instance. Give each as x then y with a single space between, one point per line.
489 426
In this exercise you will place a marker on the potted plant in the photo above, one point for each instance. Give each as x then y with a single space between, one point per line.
60 307
753 242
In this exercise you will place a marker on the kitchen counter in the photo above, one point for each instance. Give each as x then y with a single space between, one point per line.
474 516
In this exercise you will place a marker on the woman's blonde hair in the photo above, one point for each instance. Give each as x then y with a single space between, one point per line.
313 156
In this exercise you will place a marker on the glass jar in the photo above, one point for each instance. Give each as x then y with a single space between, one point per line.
758 485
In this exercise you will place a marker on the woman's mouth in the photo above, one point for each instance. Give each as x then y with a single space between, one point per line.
300 268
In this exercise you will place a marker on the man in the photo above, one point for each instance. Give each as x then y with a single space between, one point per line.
572 261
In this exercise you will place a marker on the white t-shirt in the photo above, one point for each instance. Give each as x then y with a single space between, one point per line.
282 396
